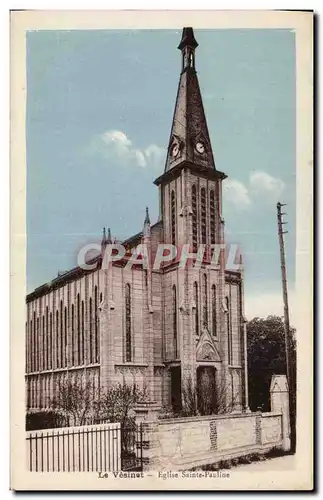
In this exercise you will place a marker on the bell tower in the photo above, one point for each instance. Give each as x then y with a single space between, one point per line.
190 164
191 212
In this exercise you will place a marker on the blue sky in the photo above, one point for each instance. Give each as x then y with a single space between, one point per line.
99 112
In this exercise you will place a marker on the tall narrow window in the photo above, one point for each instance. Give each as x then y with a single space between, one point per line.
73 336
30 347
203 215
37 345
34 344
47 340
82 335
194 219
26 349
43 342
213 310
65 336
61 334
96 326
212 217
205 301
196 299
173 218
128 323
175 322
50 341
78 330
57 338
91 331
229 329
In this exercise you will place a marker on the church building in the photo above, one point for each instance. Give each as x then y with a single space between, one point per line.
168 329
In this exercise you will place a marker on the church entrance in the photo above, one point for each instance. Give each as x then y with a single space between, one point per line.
176 389
206 390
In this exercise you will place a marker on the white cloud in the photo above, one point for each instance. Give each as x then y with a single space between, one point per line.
261 186
117 145
262 183
236 192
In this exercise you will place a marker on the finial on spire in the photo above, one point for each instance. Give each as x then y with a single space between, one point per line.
188 39
109 238
104 241
104 237
146 231
147 219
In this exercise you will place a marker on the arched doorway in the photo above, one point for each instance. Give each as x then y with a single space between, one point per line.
206 390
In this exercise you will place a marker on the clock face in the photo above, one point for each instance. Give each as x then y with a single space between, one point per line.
175 150
200 147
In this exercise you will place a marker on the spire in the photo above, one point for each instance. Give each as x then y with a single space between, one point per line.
109 238
104 240
189 139
146 231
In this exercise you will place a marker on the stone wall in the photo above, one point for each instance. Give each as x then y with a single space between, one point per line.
183 443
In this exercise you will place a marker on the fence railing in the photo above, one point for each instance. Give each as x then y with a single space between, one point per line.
75 449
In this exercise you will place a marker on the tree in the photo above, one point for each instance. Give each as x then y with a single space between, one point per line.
117 403
74 400
266 357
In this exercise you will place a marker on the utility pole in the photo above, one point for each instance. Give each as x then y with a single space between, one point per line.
289 372
284 285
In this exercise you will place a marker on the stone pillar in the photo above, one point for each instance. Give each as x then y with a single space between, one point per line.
279 400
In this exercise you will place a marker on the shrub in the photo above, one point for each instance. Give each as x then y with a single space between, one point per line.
46 419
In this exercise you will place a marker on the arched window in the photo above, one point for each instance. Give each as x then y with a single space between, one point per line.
34 352
78 312
196 299
57 338
194 219
205 301
175 321
213 310
26 348
50 341
90 330
229 329
203 215
65 336
82 335
73 336
212 217
47 341
43 342
96 326
30 346
173 218
37 345
128 322
61 334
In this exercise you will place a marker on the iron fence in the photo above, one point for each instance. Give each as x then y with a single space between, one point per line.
98 448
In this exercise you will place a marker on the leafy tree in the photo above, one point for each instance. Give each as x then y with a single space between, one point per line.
266 357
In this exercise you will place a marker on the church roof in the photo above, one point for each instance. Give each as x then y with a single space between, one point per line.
77 272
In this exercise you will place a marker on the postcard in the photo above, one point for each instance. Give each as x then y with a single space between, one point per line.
161 250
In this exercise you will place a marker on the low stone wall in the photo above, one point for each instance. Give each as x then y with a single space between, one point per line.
183 443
